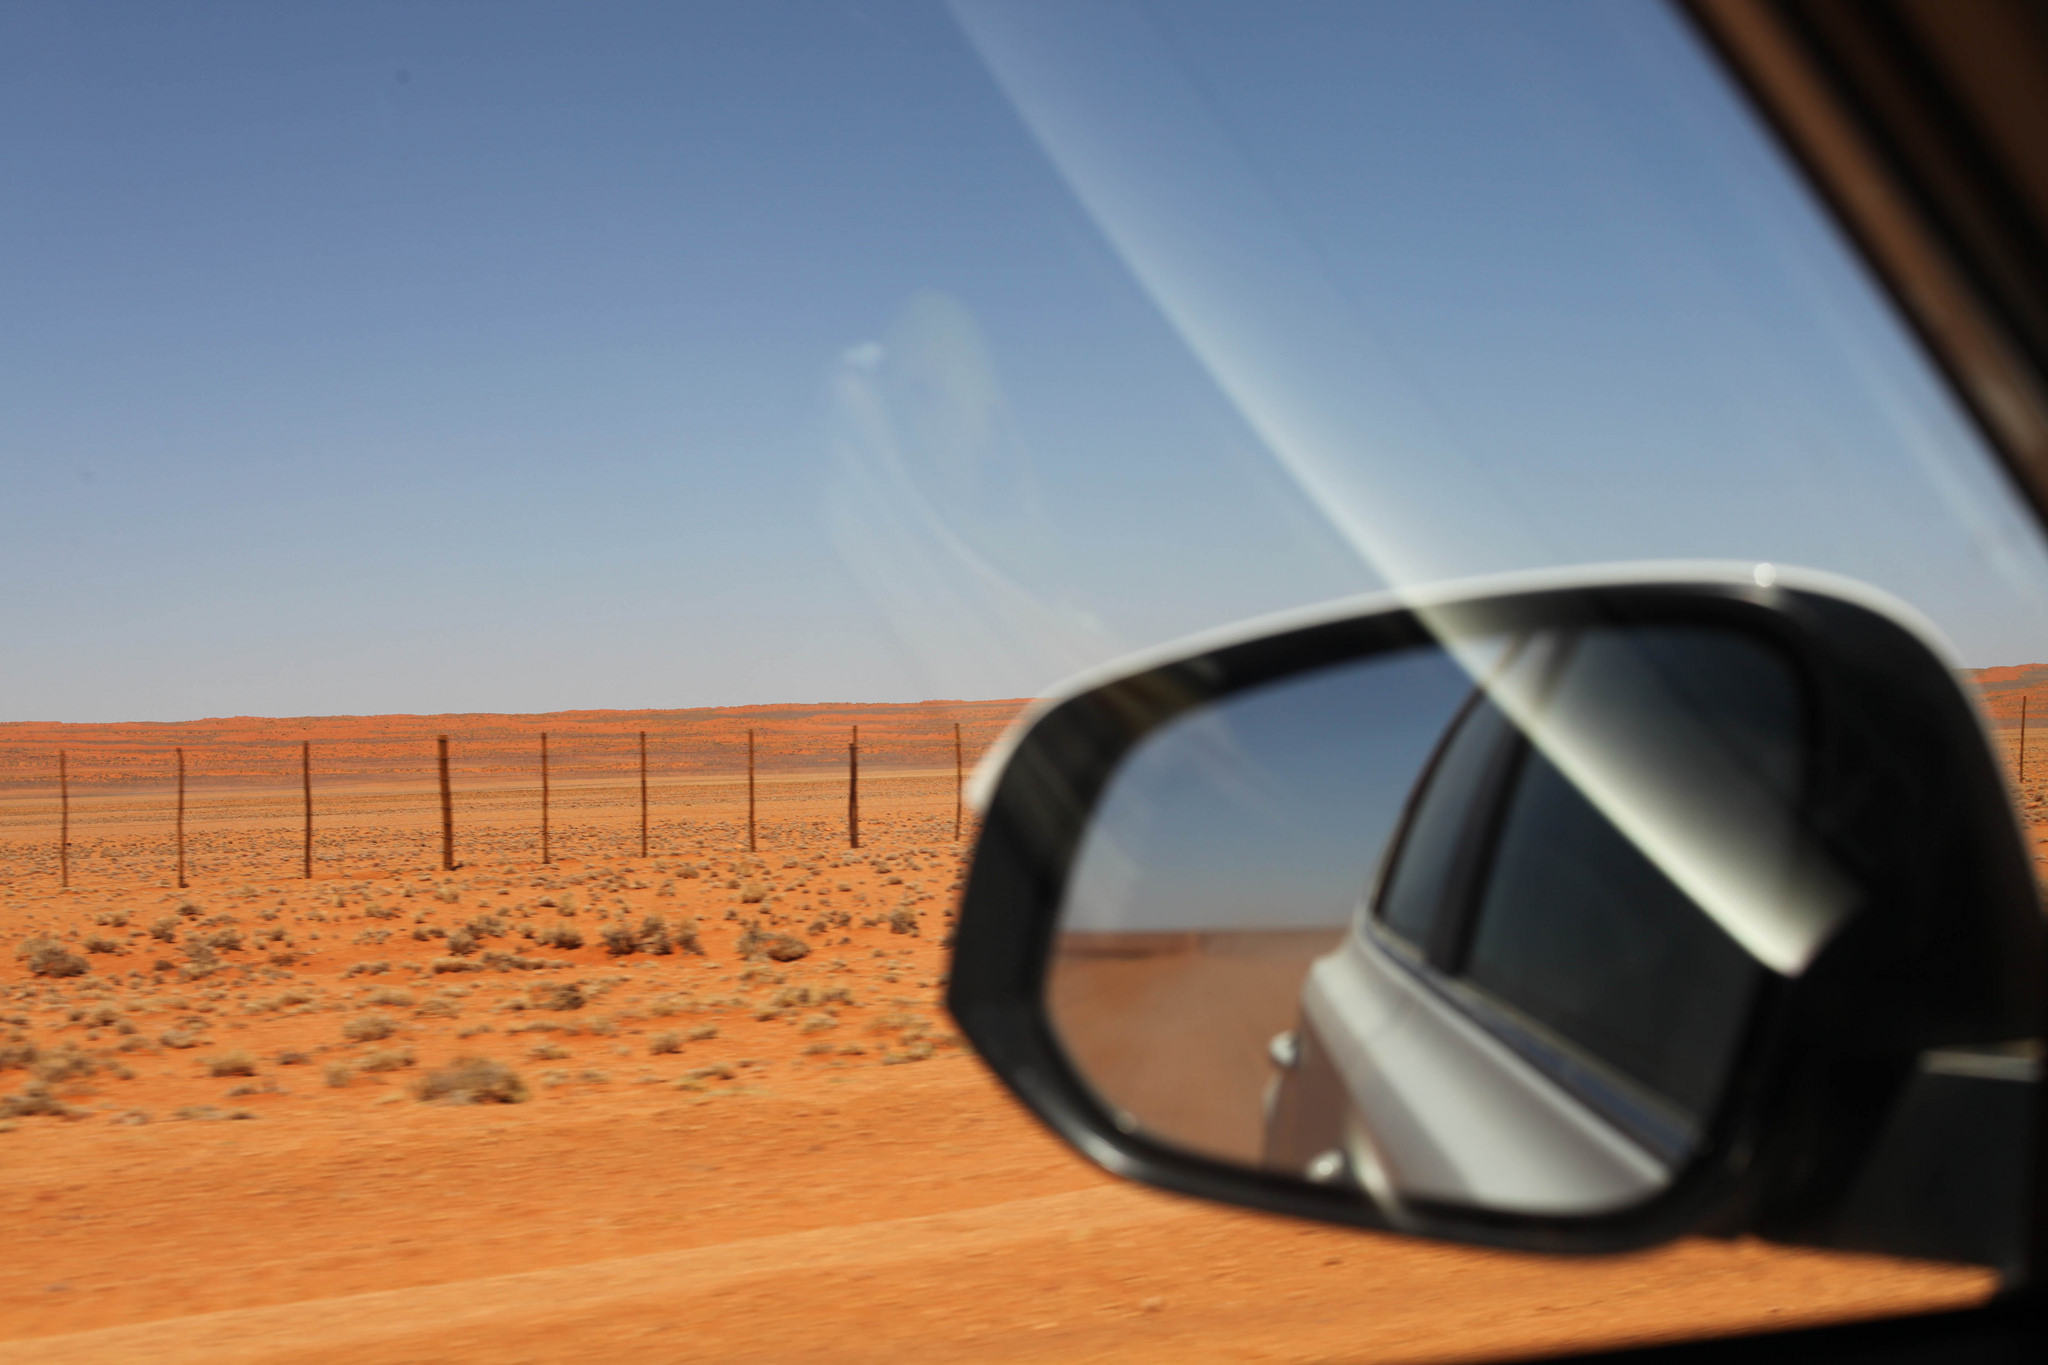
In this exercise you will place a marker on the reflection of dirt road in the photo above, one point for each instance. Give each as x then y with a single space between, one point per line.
816 1172
1173 1028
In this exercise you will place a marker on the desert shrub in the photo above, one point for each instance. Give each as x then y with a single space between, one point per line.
182 1038
654 936
33 1101
786 948
18 1054
224 941
236 1063
387 1059
486 926
818 1023
439 1008
447 894
427 933
548 1052
565 995
369 1028
471 1080
462 943
371 937
374 911
703 1033
391 995
620 940
559 936
902 921
99 943
753 893
112 919
444 965
65 1064
290 1058
338 1074
48 957
191 909
377 968
668 1040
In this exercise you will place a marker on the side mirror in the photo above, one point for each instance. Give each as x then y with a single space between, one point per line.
1574 916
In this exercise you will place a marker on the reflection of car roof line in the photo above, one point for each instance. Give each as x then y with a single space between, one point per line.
1674 572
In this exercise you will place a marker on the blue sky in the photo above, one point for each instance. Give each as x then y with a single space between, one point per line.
361 358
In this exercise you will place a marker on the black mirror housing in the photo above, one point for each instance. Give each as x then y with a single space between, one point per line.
1937 952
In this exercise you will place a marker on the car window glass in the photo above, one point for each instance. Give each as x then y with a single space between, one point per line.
1581 932
729 391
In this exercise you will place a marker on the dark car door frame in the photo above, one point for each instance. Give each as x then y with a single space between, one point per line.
1923 126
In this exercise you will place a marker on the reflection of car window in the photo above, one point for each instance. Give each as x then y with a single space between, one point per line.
1434 843
1581 932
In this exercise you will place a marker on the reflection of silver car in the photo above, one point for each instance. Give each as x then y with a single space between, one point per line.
1528 1013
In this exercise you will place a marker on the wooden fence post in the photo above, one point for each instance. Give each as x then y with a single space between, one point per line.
959 781
544 798
2023 738
853 790
643 793
63 822
306 789
750 791
447 807
181 819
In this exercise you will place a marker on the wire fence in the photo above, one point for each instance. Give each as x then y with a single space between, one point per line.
362 800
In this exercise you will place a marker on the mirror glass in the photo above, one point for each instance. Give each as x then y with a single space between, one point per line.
1484 925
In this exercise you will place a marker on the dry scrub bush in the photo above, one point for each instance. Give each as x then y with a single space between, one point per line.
471 1080
339 1074
902 921
390 995
369 1028
236 1063
753 893
667 1041
703 1033
33 1101
387 1059
462 943
548 1052
559 936
182 1038
566 995
48 957
99 943
65 1064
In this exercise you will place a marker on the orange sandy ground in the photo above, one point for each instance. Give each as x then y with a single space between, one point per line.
818 1172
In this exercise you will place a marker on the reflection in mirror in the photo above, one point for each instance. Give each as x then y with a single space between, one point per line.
1367 925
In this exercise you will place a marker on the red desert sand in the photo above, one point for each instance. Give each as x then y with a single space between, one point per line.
702 1105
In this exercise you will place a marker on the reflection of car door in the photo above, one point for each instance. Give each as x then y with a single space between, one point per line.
1532 1013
